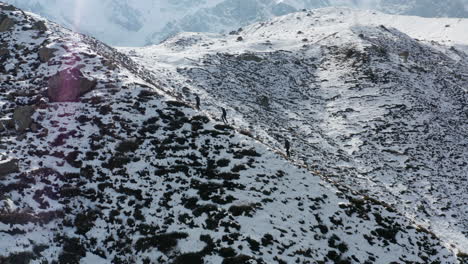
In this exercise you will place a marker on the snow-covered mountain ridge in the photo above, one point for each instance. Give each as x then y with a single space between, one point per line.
142 22
99 165
385 109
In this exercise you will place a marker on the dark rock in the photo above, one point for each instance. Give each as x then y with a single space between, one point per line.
105 109
242 209
130 145
68 85
6 23
62 138
72 159
263 101
45 54
34 127
73 251
267 239
189 258
84 222
117 161
18 258
250 57
40 25
17 218
21 137
22 117
241 259
163 242
253 244
227 252
7 167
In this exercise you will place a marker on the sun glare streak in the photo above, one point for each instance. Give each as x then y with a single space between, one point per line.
77 13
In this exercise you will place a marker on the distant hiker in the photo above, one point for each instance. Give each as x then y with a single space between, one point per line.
197 100
287 146
223 117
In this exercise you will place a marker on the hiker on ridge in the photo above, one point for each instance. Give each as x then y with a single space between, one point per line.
223 117
197 100
287 146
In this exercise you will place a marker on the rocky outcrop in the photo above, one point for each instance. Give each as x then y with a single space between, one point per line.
6 23
4 7
40 25
6 124
68 85
22 117
45 54
7 167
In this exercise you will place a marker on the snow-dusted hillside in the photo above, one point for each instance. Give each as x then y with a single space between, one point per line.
386 110
142 22
99 165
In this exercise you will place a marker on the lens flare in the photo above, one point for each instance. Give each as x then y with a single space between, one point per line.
78 6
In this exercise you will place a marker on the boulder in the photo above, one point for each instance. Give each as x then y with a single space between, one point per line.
22 117
68 85
4 52
40 25
6 124
7 167
263 101
249 57
45 54
6 23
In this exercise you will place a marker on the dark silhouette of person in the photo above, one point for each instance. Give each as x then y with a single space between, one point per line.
287 146
223 117
197 100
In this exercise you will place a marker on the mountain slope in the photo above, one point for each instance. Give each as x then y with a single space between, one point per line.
365 97
100 166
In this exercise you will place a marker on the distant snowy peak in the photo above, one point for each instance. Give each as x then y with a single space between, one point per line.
137 23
